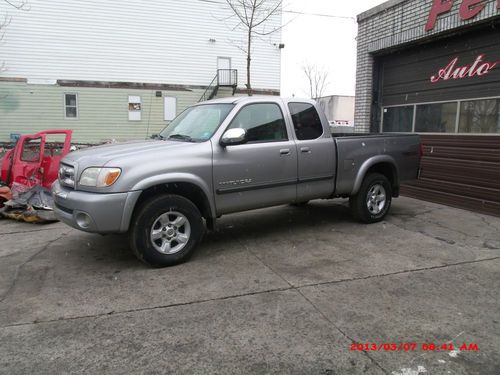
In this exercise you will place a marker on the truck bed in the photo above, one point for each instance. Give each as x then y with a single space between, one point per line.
355 150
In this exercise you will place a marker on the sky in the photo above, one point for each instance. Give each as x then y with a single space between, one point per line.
326 42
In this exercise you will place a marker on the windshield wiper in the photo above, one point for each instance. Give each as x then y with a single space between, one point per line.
181 137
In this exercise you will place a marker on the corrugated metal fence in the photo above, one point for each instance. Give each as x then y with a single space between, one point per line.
461 171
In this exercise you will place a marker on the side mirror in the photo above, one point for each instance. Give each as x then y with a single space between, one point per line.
233 137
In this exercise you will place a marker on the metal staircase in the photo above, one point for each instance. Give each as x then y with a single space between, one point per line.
223 78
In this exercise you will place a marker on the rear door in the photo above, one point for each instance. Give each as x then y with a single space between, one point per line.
262 172
316 153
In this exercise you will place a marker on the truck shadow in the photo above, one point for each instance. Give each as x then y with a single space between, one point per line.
232 231
272 223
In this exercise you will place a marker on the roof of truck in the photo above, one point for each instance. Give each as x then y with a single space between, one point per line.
257 98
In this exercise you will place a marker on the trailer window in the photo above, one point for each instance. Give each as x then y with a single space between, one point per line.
70 106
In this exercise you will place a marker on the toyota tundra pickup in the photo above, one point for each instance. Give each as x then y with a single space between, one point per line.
225 156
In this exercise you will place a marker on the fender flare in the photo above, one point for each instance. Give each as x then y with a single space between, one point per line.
374 160
162 179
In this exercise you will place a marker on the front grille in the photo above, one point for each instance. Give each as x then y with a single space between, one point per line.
67 175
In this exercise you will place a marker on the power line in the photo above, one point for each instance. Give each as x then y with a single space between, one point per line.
292 11
318 14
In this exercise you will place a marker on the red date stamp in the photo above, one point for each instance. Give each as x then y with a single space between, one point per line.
411 346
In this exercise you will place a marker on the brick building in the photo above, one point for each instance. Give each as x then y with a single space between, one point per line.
433 67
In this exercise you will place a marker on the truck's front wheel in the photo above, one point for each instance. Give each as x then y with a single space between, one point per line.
373 200
166 230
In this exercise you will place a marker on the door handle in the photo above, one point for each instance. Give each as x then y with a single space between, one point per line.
305 149
285 151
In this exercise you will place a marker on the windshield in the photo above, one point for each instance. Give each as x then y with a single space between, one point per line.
197 124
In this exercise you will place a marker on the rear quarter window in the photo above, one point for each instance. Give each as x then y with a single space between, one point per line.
306 121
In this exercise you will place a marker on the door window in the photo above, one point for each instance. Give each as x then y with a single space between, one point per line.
306 121
263 122
31 150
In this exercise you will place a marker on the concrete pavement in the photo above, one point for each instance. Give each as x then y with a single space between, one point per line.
279 290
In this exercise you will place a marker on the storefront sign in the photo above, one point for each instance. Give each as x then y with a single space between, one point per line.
479 68
468 10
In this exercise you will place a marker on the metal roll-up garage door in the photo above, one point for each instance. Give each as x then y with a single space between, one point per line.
448 90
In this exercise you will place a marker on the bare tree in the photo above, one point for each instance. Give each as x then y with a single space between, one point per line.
317 79
4 22
20 5
252 15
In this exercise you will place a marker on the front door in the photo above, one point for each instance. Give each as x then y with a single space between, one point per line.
316 153
224 71
27 160
57 146
262 172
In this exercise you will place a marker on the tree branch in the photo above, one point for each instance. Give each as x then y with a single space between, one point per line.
253 14
22 5
317 79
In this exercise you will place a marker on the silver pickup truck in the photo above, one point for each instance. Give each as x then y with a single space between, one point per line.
226 156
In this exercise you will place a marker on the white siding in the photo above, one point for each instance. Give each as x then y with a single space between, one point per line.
151 41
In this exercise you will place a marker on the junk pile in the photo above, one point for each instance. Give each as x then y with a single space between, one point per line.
27 172
32 206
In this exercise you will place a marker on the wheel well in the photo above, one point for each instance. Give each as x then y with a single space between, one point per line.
389 171
184 189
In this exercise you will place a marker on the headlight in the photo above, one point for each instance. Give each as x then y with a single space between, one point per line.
99 177
67 175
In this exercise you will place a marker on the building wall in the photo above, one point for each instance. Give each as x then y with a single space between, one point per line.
102 112
156 41
338 108
461 171
106 51
403 86
396 23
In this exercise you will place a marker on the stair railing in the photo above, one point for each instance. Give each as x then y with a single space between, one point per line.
207 95
223 78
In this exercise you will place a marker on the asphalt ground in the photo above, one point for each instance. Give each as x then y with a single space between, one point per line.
302 290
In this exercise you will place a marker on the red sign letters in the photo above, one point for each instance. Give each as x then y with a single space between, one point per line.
479 68
468 10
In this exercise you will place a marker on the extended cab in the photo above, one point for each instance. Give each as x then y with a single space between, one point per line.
226 156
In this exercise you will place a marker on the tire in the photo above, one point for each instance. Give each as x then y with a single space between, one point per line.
166 230
367 205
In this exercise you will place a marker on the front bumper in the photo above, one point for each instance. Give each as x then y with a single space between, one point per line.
100 213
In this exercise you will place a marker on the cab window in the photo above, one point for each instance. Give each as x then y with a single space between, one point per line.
263 122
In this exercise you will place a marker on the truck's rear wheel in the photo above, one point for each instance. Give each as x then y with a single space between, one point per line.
373 200
166 230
